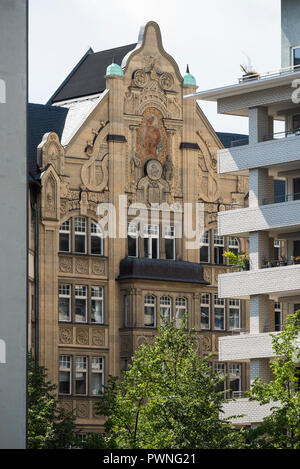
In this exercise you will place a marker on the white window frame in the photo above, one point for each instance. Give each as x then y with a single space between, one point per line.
150 302
220 369
205 242
205 302
132 232
170 233
66 228
219 242
97 370
96 232
235 372
151 232
220 304
81 296
98 298
277 246
234 305
65 359
278 309
80 232
83 361
180 306
64 291
165 303
234 244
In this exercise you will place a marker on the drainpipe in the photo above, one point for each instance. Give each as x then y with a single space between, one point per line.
36 279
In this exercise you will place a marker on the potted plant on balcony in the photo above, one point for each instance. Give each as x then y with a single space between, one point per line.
239 259
248 73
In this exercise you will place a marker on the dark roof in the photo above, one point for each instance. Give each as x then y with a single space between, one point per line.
227 138
160 269
41 120
88 77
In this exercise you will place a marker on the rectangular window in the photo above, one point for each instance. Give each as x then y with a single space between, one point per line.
218 248
65 364
181 309
149 311
97 315
64 303
65 236
233 245
165 308
278 316
96 240
80 303
276 249
296 56
205 247
205 311
219 313
234 314
234 379
220 369
132 240
81 376
80 235
170 243
151 244
97 376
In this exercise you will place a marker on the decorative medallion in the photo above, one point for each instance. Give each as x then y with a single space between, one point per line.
66 264
65 335
166 81
98 338
82 337
154 169
82 410
140 78
82 266
98 268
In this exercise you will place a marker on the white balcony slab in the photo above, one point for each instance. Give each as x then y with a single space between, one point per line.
252 412
280 281
265 217
260 155
246 347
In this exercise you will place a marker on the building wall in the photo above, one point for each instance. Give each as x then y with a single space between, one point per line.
290 34
105 158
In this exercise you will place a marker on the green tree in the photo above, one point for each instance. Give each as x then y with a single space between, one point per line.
281 429
167 398
49 426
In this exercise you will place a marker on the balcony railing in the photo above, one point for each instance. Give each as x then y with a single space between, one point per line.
261 76
274 136
279 199
281 262
238 394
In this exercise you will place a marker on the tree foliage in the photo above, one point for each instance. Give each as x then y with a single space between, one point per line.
167 398
280 430
49 426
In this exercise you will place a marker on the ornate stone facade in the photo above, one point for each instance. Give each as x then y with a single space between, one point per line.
145 141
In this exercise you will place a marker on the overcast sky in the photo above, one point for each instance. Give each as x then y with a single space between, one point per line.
209 35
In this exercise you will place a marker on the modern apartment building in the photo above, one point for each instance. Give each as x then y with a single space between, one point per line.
110 130
272 223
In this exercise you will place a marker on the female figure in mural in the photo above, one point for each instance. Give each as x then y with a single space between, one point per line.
152 137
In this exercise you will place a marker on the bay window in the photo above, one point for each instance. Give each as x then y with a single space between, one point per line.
149 311
181 309
165 308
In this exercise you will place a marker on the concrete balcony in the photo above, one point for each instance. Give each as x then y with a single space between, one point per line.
252 412
264 217
280 281
260 155
246 347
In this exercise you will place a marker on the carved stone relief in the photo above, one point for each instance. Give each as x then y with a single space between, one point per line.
98 337
65 335
82 336
66 265
53 153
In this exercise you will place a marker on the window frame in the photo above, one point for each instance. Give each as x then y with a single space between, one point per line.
277 309
205 305
205 244
85 371
219 306
167 306
69 297
150 234
81 297
80 233
180 307
132 232
234 305
97 299
148 304
98 234
170 234
65 370
217 246
68 232
100 372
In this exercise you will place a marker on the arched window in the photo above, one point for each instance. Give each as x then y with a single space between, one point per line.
80 235
65 236
96 239
149 311
181 309
165 308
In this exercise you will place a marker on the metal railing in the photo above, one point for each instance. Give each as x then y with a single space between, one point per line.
271 74
280 262
238 394
281 198
273 136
